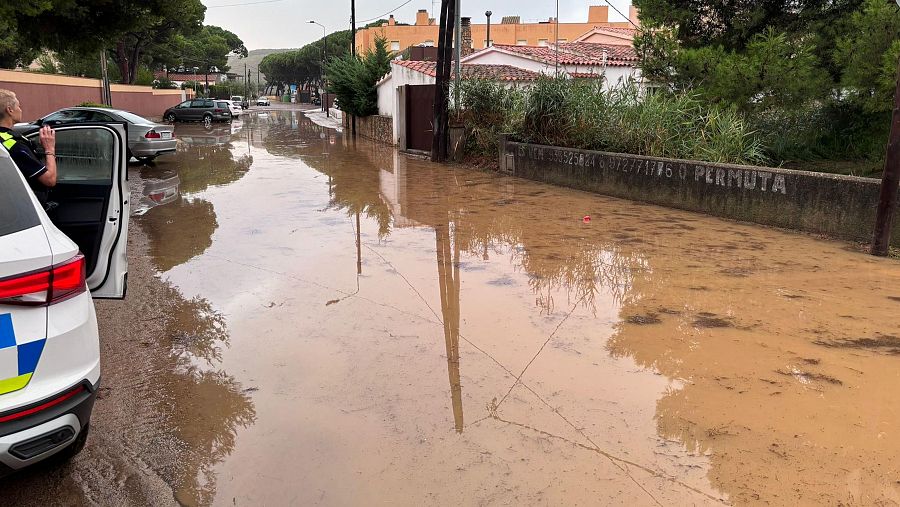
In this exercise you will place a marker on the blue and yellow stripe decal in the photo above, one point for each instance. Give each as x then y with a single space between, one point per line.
27 357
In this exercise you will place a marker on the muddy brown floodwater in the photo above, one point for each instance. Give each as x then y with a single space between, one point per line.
318 322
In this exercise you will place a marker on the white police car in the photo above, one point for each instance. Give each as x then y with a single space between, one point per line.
49 270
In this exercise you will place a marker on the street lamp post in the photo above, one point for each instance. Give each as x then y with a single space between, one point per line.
487 43
322 67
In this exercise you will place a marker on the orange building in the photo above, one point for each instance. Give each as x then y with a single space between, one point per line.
507 31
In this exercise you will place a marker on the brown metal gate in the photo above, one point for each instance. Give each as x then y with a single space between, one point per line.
419 116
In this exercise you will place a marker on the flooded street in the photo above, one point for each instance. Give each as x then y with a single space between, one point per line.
314 321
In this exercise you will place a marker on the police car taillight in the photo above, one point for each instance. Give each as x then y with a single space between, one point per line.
45 287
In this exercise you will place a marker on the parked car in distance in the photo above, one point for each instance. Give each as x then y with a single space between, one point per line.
146 139
263 101
239 100
205 110
49 271
236 111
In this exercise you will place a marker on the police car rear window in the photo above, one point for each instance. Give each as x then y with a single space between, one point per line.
17 212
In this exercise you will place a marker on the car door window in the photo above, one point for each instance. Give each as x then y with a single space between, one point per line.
197 103
184 105
207 103
84 156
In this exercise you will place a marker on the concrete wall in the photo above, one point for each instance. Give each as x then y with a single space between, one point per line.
386 95
41 94
839 206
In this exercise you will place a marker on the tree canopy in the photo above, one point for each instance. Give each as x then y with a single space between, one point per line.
303 66
757 54
352 78
139 33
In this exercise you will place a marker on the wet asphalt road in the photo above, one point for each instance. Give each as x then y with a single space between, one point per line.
313 321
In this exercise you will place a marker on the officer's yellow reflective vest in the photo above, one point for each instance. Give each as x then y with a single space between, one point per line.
8 140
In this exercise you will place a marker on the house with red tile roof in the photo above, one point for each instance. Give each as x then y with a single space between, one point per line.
615 63
414 72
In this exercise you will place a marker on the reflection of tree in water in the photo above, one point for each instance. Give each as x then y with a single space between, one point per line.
207 406
203 166
183 229
354 183
179 231
489 220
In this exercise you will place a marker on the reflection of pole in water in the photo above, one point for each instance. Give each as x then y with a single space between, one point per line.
358 248
449 287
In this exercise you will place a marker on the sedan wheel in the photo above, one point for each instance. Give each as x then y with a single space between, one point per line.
170 118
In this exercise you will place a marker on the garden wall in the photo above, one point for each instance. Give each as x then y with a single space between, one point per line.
40 94
839 206
376 127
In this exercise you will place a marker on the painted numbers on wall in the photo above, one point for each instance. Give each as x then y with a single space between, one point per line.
744 179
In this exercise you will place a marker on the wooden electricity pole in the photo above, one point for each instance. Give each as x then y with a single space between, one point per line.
887 201
353 52
441 141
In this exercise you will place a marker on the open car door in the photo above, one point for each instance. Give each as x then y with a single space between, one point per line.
89 203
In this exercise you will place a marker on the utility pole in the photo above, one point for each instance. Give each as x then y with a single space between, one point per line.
487 43
440 139
322 67
556 67
106 93
458 43
246 87
887 199
353 50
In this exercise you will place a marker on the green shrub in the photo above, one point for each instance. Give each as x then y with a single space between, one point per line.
579 114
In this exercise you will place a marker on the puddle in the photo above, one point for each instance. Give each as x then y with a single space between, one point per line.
410 333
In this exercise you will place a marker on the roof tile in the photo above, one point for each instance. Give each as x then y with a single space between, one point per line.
579 53
474 71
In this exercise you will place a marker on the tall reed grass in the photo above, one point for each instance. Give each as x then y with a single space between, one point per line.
579 114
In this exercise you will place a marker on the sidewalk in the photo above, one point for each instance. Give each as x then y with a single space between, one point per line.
319 118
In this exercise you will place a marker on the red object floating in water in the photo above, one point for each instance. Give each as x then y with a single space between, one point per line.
586 219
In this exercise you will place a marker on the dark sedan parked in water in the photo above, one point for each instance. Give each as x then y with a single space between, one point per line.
205 110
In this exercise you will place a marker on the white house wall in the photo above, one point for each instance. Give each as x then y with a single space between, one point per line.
498 58
386 97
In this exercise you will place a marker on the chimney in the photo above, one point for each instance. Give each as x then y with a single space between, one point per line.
633 16
465 33
391 21
422 17
598 14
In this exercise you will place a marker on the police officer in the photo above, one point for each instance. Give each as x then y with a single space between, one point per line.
40 176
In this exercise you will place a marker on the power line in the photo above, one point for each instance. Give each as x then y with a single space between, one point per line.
245 3
386 13
620 13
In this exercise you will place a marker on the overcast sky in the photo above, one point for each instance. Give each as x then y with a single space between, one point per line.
274 24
